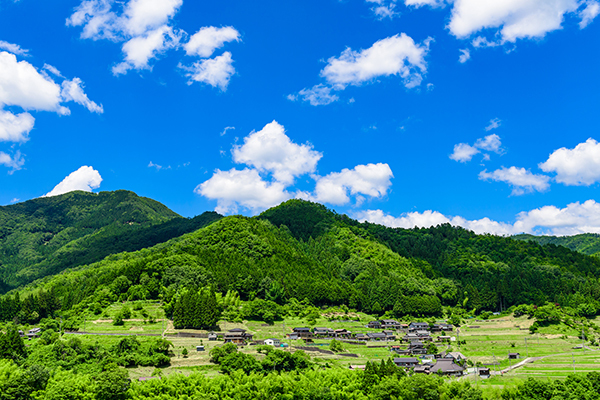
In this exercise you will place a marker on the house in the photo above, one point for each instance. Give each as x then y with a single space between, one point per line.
273 342
422 369
361 336
34 333
447 366
422 333
410 337
447 327
484 372
303 333
415 326
374 325
456 356
199 348
390 335
212 336
342 333
406 362
377 336
390 324
323 332
444 338
514 356
237 336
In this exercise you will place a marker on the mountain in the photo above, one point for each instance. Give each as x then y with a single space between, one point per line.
44 236
302 250
586 243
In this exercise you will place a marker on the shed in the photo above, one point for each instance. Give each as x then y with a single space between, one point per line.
514 356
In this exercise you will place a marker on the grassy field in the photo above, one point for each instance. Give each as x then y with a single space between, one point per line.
486 343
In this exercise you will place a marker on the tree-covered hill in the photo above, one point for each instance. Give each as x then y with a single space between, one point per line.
44 236
586 243
300 250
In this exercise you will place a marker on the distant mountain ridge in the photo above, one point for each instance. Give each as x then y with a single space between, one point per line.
44 236
586 243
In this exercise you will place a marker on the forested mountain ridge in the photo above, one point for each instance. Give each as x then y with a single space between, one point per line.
301 250
586 243
44 236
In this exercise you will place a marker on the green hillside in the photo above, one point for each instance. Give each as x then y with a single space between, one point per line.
44 236
586 243
300 250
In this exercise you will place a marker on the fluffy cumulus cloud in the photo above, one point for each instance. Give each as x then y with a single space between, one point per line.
274 162
85 178
15 128
464 152
147 31
139 50
574 219
516 19
587 14
398 55
215 72
521 180
24 86
246 188
579 166
371 180
204 42
270 149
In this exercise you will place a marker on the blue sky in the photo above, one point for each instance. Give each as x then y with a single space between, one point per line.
482 113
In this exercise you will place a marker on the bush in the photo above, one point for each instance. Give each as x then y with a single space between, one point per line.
336 346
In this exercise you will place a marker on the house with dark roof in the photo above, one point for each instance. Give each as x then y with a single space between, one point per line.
417 326
374 325
303 333
408 362
390 324
377 336
361 336
237 336
342 333
447 366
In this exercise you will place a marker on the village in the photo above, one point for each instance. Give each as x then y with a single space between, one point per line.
418 351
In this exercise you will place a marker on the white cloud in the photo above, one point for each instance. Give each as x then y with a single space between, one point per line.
371 180
233 189
521 180
318 95
53 70
465 55
489 143
384 8
574 219
85 178
480 41
270 149
396 55
98 21
588 14
157 166
511 19
421 3
141 49
73 91
579 166
463 152
204 42
141 16
13 48
227 128
23 86
494 123
15 128
214 71
15 162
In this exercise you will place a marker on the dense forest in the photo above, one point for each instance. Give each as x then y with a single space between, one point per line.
301 251
586 243
45 236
